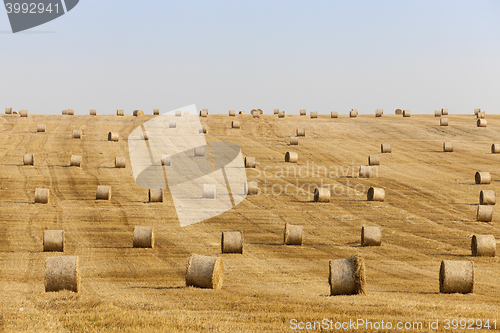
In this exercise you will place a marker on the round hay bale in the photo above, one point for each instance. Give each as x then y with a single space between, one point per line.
482 177
209 191
495 148
64 112
172 124
144 237
62 273
156 112
276 111
103 193
379 113
481 123
353 114
281 114
334 114
260 111
250 162
371 236
138 113
294 141
373 160
322 194
178 113
483 246
443 122
76 160
444 112
235 124
347 276
42 195
487 197
53 241
365 171
303 112
77 134
314 114
15 112
23 113
155 195
203 113
28 159
437 113
199 151
481 115
251 188
71 112
120 162
166 160
242 112
484 213
385 148
232 113
476 111
93 112
376 194
291 157
301 132
398 112
231 242
406 113
113 136
205 272
120 112
40 128
448 147
255 113
456 277
8 110
292 234
145 135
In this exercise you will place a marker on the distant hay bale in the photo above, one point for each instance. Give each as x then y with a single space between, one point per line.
276 111
347 276
437 113
172 124
476 111
250 162
314 114
371 236
294 141
255 113
156 112
42 195
484 213
15 112
62 273
178 113
322 194
495 148
481 123
292 234
376 194
353 113
93 112
77 134
209 191
483 246
251 188
373 160
398 112
365 171
28 159
76 160
481 115
205 272
53 241
301 132
40 128
443 122
144 237
113 136
291 157
64 112
487 197
385 148
379 113
444 112
303 112
406 113
232 113
456 277
8 110
203 129
204 113
199 151
155 195
166 160
71 112
242 112
231 242
138 113
281 114
448 147
235 124
103 193
482 177
23 113
120 162
334 114
120 112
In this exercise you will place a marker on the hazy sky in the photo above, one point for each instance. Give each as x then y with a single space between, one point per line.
320 55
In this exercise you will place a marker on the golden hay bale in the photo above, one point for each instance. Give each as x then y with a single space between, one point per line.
28 159
255 114
314 114
251 188
120 162
166 160
172 124
495 148
373 160
178 113
371 236
120 112
482 177
294 141
156 112
480 115
71 112
376 194
235 124
379 113
334 114
456 277
484 213
232 113
291 157
301 132
209 191
242 112
155 195
203 113
437 113
76 160
42 195
398 112
113 136
23 113
292 234
353 113
322 194
15 112
476 111
64 112
365 171
443 122
347 276
138 113
231 242
77 134
448 147
8 110
487 197
276 111
103 193
385 148
250 162
302 112
483 246
144 237
444 112
40 128
406 113
62 273
281 114
199 151
205 272
53 241
481 123
93 112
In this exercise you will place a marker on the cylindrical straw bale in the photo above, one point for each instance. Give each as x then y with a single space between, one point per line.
281 114
144 237
103 193
444 112
398 112
481 123
23 113
155 195
77 134
314 114
456 277
437 113
242 112
386 148
251 188
487 197
250 162
203 129
481 115
156 112
178 113
371 236
209 191
166 160
71 112
255 113
303 112
294 141
120 112
482 177
232 113
376 194
378 113
120 162
203 113
231 242
495 148
40 128
292 234
93 112
476 111
291 157
205 272
373 160
138 113
448 147
53 241
64 112
353 114
365 171
145 135
76 160
275 111
483 246
28 159
322 194
113 136
199 151
172 124
406 113
42 195
8 110
334 114
235 124
484 213
62 273
347 276
301 132
443 122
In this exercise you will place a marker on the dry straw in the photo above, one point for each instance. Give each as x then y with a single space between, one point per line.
205 272
437 113
476 111
456 277
77 134
103 193
483 246
376 194
365 171
8 110
231 242
487 197
371 236
120 112
40 128
448 147
204 113
303 112
28 159
292 234
406 113
76 160
156 112
144 237
199 151
484 213
347 276
23 113
291 157
281 114
64 112
155 195
334 114
42 195
251 188
322 194
178 113
353 113
62 273
276 111
481 115
481 123
444 112
398 112
482 177
242 112
53 241
373 160
443 122
232 113
113 136
294 141
120 162
255 113
379 113
209 191
314 114
301 132
71 112
385 148
138 113
495 148
166 160
93 112
235 124
250 162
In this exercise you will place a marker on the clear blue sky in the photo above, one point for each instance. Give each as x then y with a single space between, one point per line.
320 55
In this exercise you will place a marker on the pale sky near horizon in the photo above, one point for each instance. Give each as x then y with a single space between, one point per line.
319 55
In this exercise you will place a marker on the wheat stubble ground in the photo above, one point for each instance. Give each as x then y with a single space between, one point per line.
428 216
